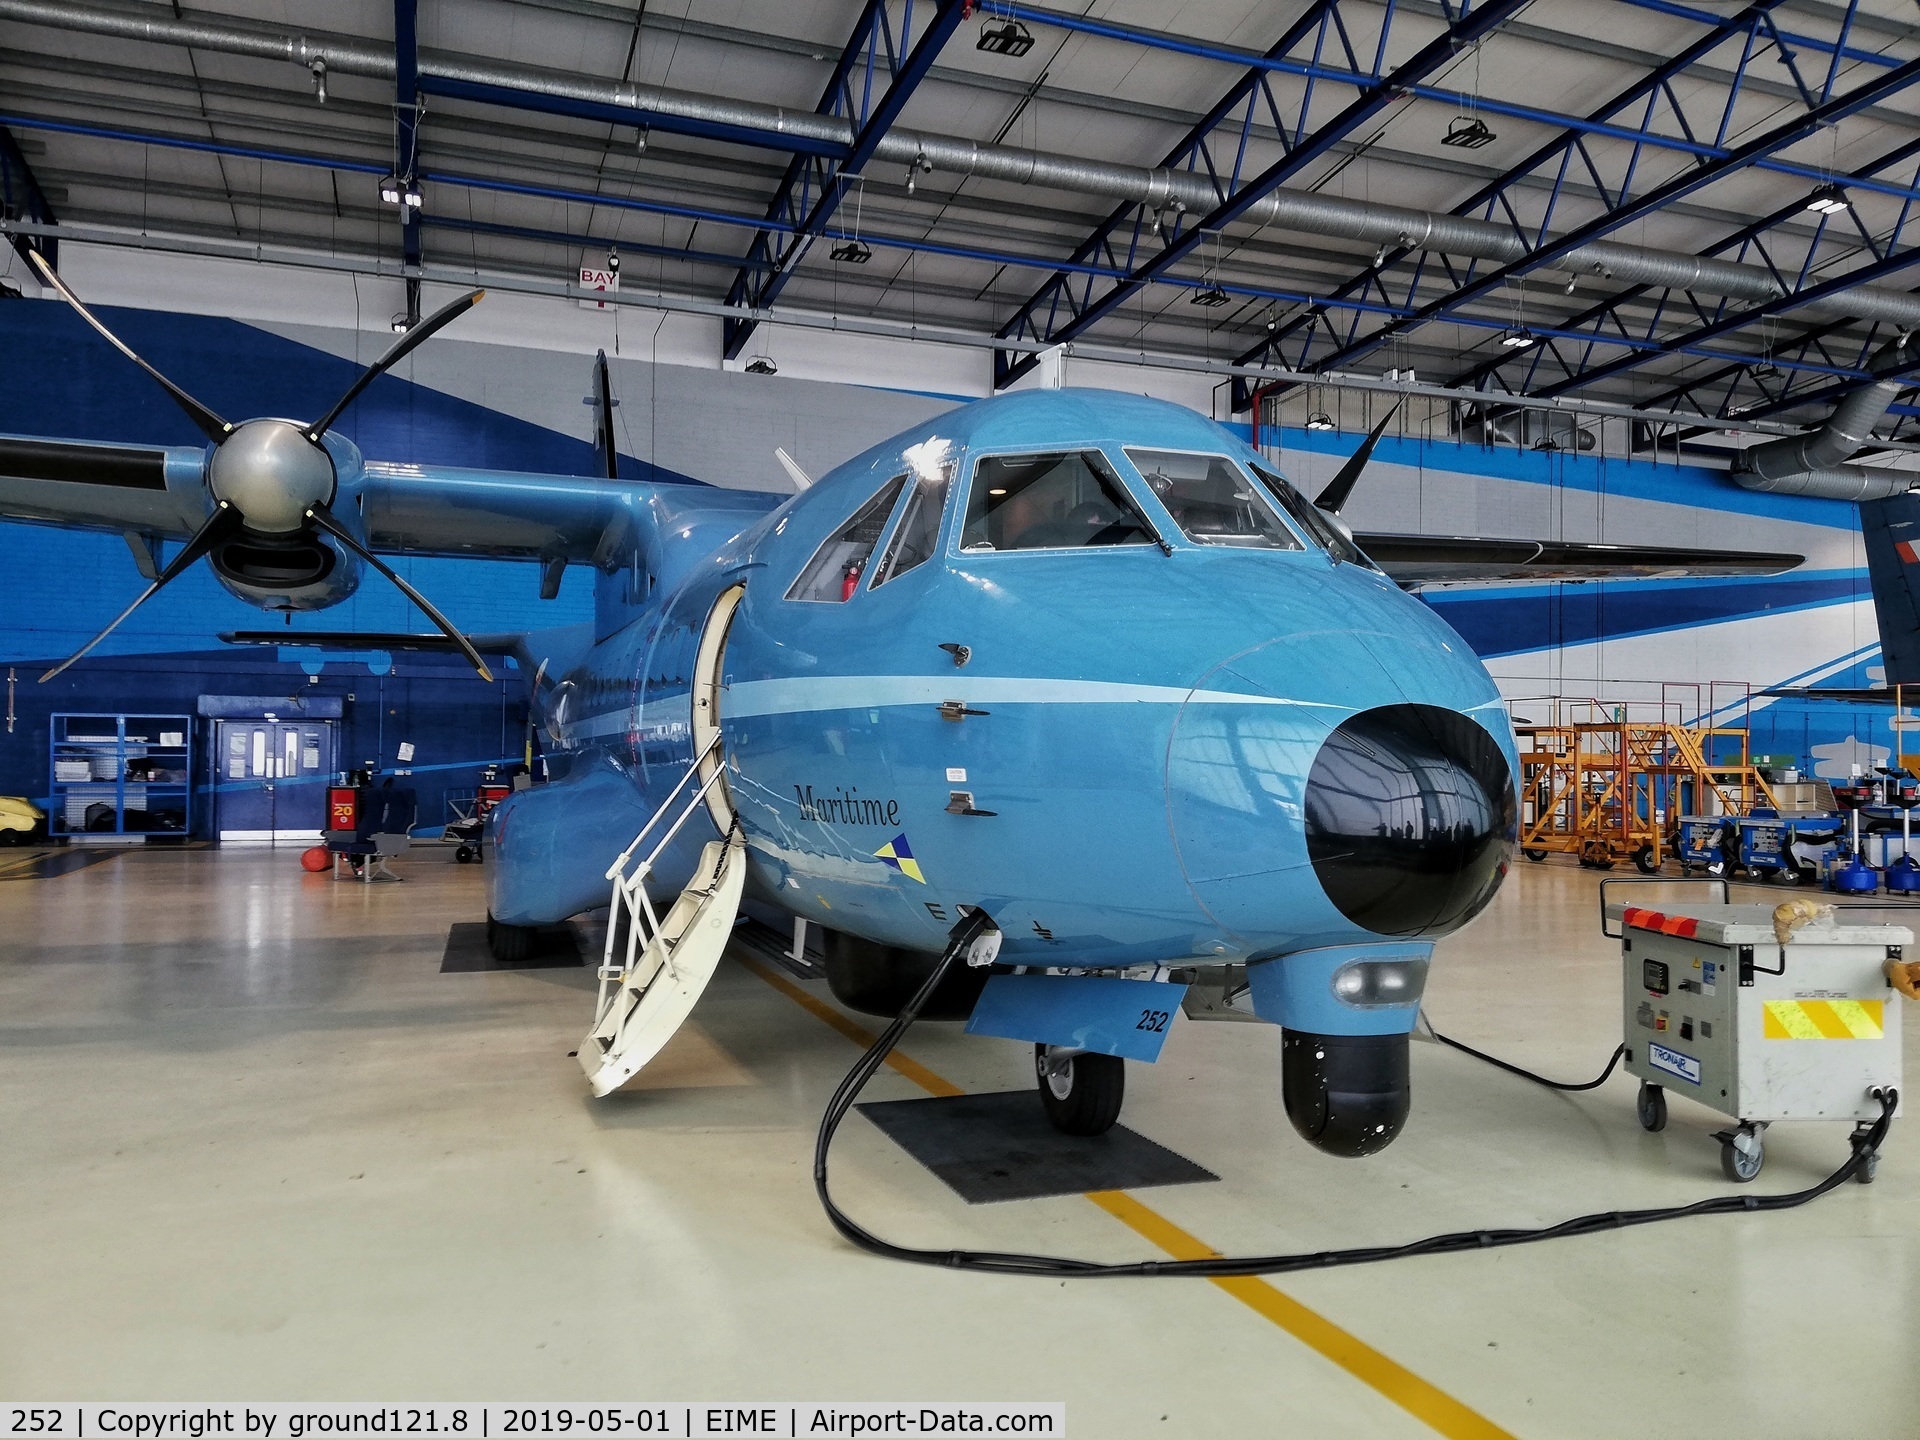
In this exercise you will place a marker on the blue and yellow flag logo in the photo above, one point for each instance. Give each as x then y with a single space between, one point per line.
895 855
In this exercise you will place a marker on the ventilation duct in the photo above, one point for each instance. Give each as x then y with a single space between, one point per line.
1810 464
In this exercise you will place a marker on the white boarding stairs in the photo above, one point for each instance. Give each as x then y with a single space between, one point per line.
647 992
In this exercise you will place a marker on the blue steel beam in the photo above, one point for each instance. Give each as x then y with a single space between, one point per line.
406 128
1685 144
698 213
21 198
1234 55
1748 238
1493 197
813 187
1036 318
1890 82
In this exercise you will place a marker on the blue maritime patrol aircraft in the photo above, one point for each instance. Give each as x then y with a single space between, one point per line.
1076 659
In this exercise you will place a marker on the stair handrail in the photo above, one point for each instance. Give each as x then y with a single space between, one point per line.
616 870
630 889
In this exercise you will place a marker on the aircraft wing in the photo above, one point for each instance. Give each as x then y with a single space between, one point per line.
502 514
1457 559
83 485
159 490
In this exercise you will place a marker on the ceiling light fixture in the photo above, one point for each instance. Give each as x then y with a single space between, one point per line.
1828 200
1519 338
1320 420
851 252
613 259
402 323
1211 298
1009 37
762 365
394 190
1467 132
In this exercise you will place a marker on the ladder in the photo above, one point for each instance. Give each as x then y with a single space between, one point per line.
653 970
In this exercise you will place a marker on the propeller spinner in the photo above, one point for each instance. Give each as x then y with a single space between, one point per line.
272 477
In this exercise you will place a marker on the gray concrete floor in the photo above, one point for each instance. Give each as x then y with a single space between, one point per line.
256 1146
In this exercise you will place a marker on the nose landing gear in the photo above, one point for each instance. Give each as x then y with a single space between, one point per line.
1081 1091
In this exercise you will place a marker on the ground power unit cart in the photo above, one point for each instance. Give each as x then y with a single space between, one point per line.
1760 1021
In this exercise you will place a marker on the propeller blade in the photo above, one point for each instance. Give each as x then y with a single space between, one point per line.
211 425
603 417
216 528
1340 488
324 518
401 348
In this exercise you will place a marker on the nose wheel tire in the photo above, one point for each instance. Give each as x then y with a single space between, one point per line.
1652 1108
1080 1091
510 944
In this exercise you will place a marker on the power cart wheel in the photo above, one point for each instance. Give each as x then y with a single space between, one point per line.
463 855
1644 862
1080 1091
1652 1108
1742 1153
1536 856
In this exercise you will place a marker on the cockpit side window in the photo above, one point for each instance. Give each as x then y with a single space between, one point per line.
1061 500
835 570
1311 519
918 532
1212 500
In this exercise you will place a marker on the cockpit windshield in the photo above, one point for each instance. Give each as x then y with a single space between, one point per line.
1314 520
1212 500
1054 501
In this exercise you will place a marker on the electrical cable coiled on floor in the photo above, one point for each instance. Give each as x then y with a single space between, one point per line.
1865 1144
1619 1054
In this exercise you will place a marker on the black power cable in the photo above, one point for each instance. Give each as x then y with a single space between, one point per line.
1865 1144
1619 1053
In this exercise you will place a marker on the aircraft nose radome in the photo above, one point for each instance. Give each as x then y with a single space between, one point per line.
1410 819
1236 780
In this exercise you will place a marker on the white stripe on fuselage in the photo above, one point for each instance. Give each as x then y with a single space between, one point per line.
873 692
810 694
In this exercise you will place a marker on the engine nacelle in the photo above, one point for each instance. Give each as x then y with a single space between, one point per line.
299 571
281 560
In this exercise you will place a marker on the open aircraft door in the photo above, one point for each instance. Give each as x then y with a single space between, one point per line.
653 970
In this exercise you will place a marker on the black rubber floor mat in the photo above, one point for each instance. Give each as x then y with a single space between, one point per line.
555 947
1003 1147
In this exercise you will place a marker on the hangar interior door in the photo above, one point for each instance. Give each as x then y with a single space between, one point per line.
270 779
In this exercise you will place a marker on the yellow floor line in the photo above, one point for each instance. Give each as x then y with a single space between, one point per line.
859 1034
1419 1398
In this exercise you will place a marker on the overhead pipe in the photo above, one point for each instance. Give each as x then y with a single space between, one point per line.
1165 190
1811 464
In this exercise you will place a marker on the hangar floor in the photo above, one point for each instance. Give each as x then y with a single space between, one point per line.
258 1146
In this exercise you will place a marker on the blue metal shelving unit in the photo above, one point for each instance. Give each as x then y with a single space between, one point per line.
139 767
